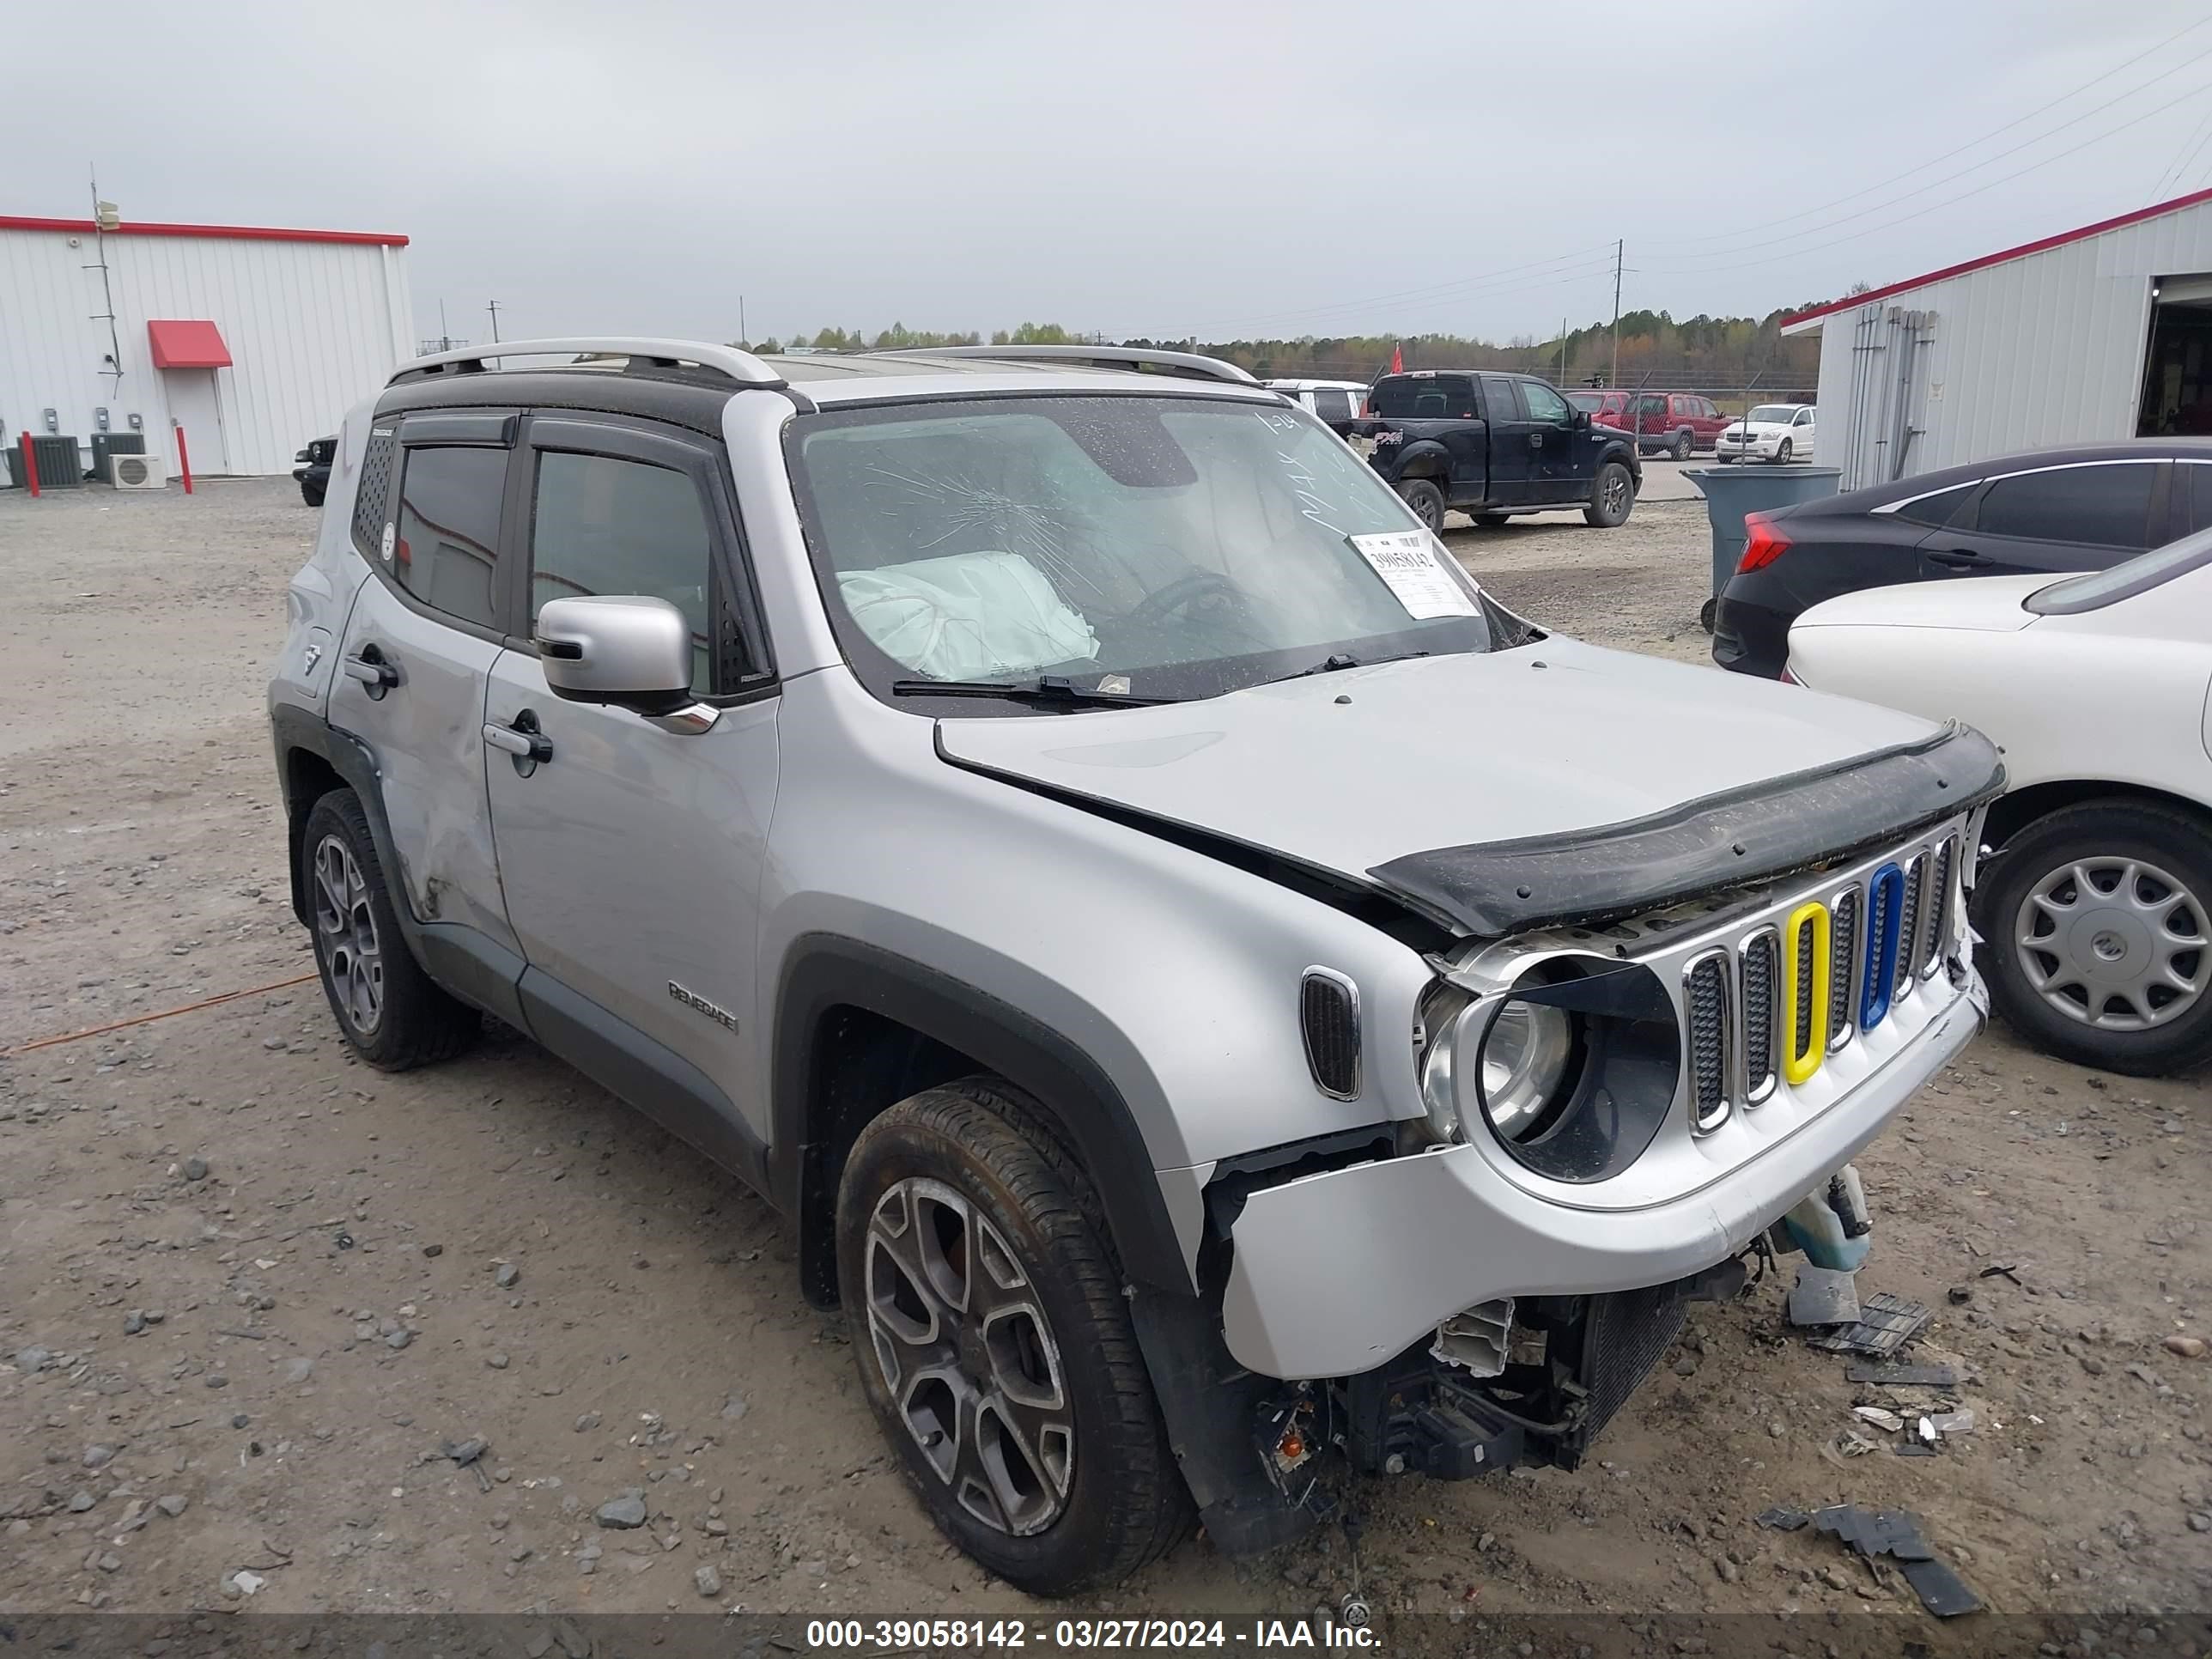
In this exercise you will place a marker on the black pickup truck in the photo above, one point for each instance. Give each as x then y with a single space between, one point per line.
1495 445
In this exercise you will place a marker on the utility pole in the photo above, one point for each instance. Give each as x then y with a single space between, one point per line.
494 308
1613 377
744 339
445 334
1563 351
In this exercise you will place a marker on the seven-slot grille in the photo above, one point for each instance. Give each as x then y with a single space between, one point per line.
1834 967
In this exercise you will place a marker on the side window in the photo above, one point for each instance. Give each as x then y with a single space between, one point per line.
1651 406
2199 480
445 550
1804 418
1544 404
1333 405
600 524
375 491
2096 505
1705 408
1939 509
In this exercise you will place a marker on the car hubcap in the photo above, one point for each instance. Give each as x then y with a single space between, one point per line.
965 1350
345 935
2113 943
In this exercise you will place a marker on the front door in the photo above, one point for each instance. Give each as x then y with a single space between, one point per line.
631 854
2056 518
1558 469
417 654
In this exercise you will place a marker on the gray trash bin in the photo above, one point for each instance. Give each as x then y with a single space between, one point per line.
1731 492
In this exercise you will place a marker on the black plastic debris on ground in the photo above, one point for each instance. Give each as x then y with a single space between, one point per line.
1778 1519
1885 1323
1905 1376
1896 1534
1824 1296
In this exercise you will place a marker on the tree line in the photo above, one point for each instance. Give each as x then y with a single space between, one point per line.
1654 349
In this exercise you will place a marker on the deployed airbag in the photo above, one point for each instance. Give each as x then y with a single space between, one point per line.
967 615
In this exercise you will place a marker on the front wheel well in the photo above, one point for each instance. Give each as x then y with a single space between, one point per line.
2012 812
865 1063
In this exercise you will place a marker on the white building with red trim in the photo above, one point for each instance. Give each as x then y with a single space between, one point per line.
252 340
2100 332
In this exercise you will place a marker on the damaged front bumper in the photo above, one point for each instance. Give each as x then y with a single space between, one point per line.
1337 1273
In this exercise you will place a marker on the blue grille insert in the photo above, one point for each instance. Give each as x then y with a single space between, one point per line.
1885 917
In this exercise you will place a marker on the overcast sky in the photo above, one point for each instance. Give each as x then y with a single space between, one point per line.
1223 168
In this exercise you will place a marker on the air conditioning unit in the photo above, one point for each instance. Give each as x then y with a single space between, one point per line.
137 472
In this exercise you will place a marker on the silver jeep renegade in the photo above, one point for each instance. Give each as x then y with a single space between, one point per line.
1220 998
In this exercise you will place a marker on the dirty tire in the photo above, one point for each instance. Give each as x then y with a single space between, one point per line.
1782 452
1613 493
1683 445
2172 841
1706 612
311 493
1490 520
416 1022
1426 501
1125 1502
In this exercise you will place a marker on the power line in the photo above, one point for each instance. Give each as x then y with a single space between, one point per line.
1917 213
1919 168
1951 177
2183 158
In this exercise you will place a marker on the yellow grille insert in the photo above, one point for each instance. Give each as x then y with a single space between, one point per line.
1805 972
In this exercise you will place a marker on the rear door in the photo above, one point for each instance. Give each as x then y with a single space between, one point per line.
1516 445
2081 517
632 854
418 652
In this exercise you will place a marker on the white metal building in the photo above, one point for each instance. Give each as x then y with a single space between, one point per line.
2097 333
254 340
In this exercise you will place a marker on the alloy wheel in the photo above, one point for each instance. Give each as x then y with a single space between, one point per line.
1617 491
2114 942
969 1357
345 936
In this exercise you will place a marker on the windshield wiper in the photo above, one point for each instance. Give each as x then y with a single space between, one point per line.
1046 688
1343 659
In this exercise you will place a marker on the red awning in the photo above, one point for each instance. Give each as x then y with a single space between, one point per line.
187 346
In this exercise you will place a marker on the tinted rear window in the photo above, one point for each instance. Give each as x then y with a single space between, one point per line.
2091 506
1333 405
447 545
1429 398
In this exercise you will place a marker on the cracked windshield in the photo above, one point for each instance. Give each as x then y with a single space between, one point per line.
1187 546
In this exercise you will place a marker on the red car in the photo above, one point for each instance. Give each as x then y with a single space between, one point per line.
1675 423
1605 408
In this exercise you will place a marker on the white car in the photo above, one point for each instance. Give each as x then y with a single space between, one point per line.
1337 402
1772 432
2096 913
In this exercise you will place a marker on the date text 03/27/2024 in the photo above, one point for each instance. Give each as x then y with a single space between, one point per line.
908 1635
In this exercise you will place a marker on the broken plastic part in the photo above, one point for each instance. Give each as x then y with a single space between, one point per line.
1477 1340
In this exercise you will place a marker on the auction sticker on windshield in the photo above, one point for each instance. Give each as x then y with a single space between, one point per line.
1412 562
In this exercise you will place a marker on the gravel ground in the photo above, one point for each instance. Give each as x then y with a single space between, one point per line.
248 1287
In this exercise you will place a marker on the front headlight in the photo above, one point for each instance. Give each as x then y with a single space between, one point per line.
1524 1060
1572 1068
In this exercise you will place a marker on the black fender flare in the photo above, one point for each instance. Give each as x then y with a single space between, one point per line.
472 967
1626 451
1422 450
823 971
